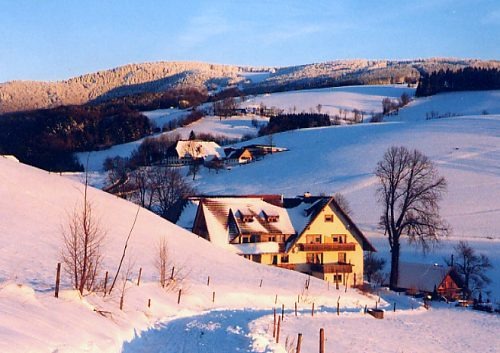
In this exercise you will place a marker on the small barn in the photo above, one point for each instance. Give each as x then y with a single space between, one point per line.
425 278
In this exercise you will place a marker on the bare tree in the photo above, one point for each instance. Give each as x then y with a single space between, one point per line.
409 191
343 203
83 239
170 187
472 267
161 261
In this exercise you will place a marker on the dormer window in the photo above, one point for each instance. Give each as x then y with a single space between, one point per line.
246 219
246 216
329 218
270 217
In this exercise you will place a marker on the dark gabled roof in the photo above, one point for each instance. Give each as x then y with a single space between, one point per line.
317 204
424 277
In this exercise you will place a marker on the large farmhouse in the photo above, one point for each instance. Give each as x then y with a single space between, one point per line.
310 234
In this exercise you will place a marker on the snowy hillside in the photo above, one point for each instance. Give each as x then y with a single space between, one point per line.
342 159
35 205
364 98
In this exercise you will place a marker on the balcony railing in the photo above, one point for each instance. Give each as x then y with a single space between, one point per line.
328 247
332 268
287 266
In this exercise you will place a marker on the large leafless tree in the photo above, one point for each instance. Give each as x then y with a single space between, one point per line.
409 191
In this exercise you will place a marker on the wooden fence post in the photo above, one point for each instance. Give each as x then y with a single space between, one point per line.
274 322
58 279
172 273
213 297
149 303
299 343
295 309
276 299
208 281
179 296
105 282
282 312
394 306
278 330
139 278
321 340
121 302
260 285
312 310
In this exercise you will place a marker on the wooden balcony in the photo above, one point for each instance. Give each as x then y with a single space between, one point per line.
287 266
332 268
328 247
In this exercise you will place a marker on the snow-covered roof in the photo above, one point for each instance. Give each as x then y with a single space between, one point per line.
226 217
9 156
199 149
421 276
188 214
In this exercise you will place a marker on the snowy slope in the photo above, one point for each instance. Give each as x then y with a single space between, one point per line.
343 158
454 103
35 204
365 98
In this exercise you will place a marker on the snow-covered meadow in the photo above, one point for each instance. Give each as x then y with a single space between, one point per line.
35 205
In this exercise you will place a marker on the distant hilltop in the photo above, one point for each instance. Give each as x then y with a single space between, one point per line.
160 76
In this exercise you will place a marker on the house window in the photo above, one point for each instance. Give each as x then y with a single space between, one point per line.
246 239
337 278
275 259
339 238
328 218
248 257
313 258
313 239
271 238
342 257
284 259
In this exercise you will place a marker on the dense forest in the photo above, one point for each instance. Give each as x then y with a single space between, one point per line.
47 138
285 122
467 79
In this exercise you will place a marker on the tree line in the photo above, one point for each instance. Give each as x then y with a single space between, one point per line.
285 122
47 138
467 79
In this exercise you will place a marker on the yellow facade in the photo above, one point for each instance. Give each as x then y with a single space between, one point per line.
326 249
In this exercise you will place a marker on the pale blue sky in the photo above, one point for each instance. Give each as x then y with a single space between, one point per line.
58 39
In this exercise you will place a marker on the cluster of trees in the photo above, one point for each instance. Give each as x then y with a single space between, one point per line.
467 79
48 138
285 122
187 97
390 105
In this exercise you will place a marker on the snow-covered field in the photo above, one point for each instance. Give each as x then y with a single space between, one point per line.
35 204
365 98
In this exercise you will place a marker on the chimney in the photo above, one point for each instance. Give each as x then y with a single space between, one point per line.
307 194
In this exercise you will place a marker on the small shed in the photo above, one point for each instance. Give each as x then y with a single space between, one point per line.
425 278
